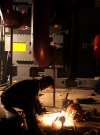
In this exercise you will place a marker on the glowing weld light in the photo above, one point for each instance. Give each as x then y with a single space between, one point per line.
68 123
48 119
57 125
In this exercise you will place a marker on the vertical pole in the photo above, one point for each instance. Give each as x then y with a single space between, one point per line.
0 27
32 25
11 51
0 44
54 87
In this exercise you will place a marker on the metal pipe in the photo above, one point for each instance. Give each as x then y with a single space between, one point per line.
54 87
7 11
11 55
40 45
66 95
0 28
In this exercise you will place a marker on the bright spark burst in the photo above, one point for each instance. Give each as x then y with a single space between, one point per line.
48 119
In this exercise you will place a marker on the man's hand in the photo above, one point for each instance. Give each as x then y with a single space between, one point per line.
38 107
44 110
41 111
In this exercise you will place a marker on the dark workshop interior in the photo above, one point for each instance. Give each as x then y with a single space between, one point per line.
60 38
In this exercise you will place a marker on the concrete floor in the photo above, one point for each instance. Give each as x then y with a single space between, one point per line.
47 99
74 93
60 93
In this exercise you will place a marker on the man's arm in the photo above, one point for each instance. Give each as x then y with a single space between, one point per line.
31 119
38 106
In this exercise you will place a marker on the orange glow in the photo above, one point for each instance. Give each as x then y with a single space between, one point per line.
42 53
57 125
7 11
56 25
68 122
49 120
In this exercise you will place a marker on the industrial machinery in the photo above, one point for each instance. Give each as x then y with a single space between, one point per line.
25 61
57 45
41 38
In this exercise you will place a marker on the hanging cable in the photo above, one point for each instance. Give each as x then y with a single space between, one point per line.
22 73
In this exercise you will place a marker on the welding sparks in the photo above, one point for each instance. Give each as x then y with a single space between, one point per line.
49 119
59 95
68 122
57 125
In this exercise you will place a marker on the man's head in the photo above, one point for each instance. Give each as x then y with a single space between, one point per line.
46 83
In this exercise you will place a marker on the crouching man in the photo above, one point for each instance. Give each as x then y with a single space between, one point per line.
23 95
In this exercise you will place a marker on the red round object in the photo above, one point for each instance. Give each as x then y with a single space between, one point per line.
75 112
97 47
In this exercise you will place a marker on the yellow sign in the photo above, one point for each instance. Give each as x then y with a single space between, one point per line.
19 47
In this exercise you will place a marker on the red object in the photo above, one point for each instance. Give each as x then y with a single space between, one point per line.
13 18
75 112
97 47
52 43
23 11
41 43
10 17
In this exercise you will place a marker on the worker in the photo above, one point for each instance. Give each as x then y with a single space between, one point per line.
24 95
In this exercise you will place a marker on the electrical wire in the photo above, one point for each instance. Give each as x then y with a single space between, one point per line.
22 73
